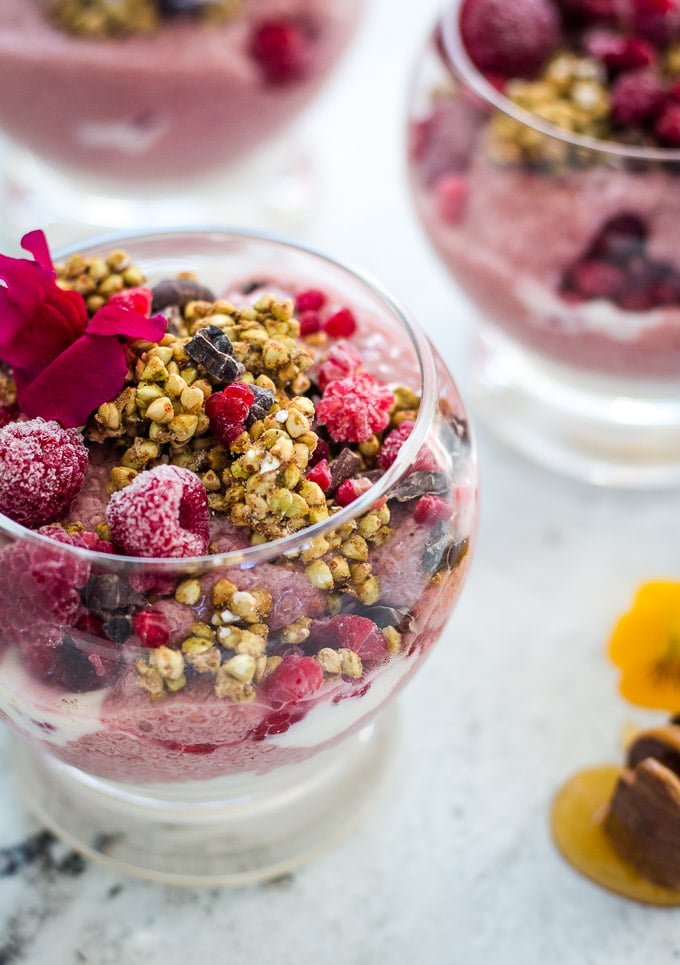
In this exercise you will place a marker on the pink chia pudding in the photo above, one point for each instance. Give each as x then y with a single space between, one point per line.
544 158
161 89
156 425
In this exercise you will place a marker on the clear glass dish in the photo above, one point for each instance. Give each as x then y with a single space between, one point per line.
192 785
568 248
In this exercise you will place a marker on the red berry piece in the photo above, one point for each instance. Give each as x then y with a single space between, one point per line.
440 142
293 681
354 632
342 360
514 39
152 628
620 239
136 299
351 489
620 53
310 300
163 512
42 469
355 408
228 411
667 127
451 192
393 442
70 665
321 474
282 49
656 20
321 452
97 545
637 96
431 509
596 279
341 324
310 322
277 723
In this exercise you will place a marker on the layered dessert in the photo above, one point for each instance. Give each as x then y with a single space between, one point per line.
544 157
161 90
234 518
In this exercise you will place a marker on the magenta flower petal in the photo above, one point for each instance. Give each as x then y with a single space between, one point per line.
115 320
79 380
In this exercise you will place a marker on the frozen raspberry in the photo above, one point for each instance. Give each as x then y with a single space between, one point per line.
341 324
393 442
514 39
42 468
310 300
282 49
667 127
163 512
354 408
354 632
596 279
620 53
591 9
228 411
321 452
351 489
293 680
321 474
451 191
637 96
97 545
431 509
152 628
341 361
656 20
136 299
310 322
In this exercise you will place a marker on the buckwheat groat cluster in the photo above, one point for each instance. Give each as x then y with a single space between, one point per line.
118 18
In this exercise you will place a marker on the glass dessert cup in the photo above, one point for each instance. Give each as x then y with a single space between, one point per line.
568 248
189 786
183 124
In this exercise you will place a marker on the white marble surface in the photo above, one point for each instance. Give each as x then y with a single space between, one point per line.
455 865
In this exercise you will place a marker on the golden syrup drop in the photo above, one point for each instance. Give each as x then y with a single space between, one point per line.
577 817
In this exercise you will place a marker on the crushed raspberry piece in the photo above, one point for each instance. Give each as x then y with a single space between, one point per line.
68 664
637 96
277 723
430 509
152 628
341 324
97 545
321 452
354 408
596 279
293 680
282 49
393 442
42 468
310 322
310 300
321 474
342 360
351 489
620 53
163 512
137 299
667 127
514 39
451 191
656 20
620 238
356 633
228 411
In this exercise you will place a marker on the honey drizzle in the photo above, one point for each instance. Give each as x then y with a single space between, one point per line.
576 821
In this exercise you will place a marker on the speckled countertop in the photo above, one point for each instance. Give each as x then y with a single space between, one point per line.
454 865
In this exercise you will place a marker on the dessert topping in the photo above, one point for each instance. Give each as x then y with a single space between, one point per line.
355 407
282 49
513 39
120 18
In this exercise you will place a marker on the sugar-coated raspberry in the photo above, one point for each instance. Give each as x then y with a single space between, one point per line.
656 20
137 299
42 468
355 632
282 49
431 509
228 411
514 39
341 324
351 489
393 442
152 628
355 408
97 545
637 96
667 127
310 300
163 512
341 360
295 679
321 474
310 322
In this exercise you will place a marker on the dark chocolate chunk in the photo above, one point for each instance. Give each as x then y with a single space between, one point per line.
441 551
105 593
253 286
178 292
420 483
384 616
212 348
346 465
16 857
264 399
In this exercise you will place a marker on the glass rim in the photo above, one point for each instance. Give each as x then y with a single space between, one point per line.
250 556
449 23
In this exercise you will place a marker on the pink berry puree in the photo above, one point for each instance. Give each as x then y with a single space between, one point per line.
172 104
130 647
571 250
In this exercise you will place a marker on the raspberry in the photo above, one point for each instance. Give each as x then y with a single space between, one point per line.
277 723
42 468
354 408
341 324
451 191
310 322
136 299
620 238
393 442
667 127
321 452
431 509
310 300
163 512
69 665
596 279
440 142
657 20
514 39
293 681
228 411
637 96
354 632
97 545
282 50
351 489
342 360
321 474
620 53
152 628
